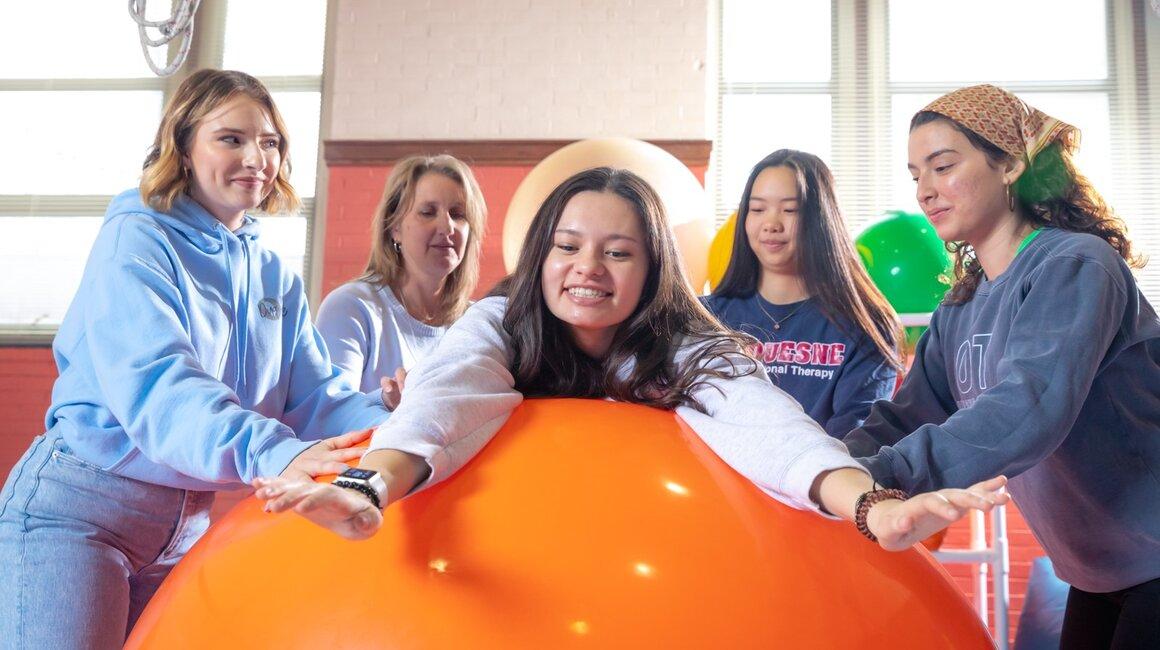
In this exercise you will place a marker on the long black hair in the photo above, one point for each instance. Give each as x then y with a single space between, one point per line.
827 261
547 361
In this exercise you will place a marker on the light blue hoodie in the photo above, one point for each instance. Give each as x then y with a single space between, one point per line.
188 357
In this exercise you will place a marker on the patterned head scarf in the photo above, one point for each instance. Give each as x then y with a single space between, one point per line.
1005 121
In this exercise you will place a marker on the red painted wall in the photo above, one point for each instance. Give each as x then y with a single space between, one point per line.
26 374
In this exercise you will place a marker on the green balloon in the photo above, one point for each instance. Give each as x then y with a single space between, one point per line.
906 259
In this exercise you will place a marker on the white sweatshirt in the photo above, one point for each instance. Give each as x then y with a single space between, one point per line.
460 395
370 335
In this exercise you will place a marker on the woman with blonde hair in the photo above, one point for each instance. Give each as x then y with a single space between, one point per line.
424 264
188 364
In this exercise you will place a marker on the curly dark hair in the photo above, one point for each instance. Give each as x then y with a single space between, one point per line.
1050 192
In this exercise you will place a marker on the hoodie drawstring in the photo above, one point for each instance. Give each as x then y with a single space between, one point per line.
238 324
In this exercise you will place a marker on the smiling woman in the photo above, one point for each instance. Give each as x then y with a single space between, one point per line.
188 364
795 284
598 307
1042 362
595 270
234 157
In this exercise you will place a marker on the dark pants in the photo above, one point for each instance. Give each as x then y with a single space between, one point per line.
1129 618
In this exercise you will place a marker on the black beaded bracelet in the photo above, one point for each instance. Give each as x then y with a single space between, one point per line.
866 501
361 487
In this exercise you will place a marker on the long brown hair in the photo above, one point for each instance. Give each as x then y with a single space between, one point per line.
827 260
1050 192
164 177
546 360
385 265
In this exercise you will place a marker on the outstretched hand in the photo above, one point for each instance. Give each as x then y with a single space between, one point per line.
329 456
342 511
901 524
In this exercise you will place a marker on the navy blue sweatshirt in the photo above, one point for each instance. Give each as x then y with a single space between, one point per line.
833 375
1050 374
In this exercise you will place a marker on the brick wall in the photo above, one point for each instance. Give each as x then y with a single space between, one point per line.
519 69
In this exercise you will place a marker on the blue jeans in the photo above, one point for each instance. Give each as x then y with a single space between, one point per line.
83 550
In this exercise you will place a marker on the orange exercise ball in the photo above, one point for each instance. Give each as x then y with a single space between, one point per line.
582 524
685 200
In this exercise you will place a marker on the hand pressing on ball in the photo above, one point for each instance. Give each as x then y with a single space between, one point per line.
343 511
348 513
898 525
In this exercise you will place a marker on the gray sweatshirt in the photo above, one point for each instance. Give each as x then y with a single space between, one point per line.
1050 374
459 396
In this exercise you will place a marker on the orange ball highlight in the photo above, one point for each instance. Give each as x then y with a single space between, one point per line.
582 524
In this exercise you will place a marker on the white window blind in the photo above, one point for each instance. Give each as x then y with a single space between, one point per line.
80 110
842 79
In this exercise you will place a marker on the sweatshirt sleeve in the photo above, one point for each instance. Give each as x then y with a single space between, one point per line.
763 434
1069 315
458 396
344 325
866 378
320 403
924 397
175 413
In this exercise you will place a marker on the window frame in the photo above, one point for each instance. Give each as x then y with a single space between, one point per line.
206 50
861 92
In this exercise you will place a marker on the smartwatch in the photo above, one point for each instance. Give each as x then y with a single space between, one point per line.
366 481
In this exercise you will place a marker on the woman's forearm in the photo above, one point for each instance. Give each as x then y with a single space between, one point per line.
838 490
401 471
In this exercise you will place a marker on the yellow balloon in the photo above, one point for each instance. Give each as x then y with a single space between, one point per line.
685 200
721 250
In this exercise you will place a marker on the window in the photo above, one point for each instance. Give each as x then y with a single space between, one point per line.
842 79
80 119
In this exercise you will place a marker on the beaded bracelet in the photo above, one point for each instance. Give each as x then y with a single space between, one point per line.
866 501
360 487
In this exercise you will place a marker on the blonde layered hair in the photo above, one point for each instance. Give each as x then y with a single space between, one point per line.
385 266
165 178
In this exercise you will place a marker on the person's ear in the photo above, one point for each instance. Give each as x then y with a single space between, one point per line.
1013 168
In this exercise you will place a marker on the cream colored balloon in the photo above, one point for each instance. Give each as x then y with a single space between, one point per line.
686 202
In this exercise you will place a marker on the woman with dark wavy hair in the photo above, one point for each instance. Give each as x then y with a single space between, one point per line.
1042 363
599 307
794 282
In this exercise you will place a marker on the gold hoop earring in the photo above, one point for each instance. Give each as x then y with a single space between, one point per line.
398 246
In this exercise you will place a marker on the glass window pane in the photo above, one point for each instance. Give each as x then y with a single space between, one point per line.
902 109
44 257
274 37
997 39
73 40
753 126
286 236
50 149
775 40
1091 114
1087 111
41 259
300 111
